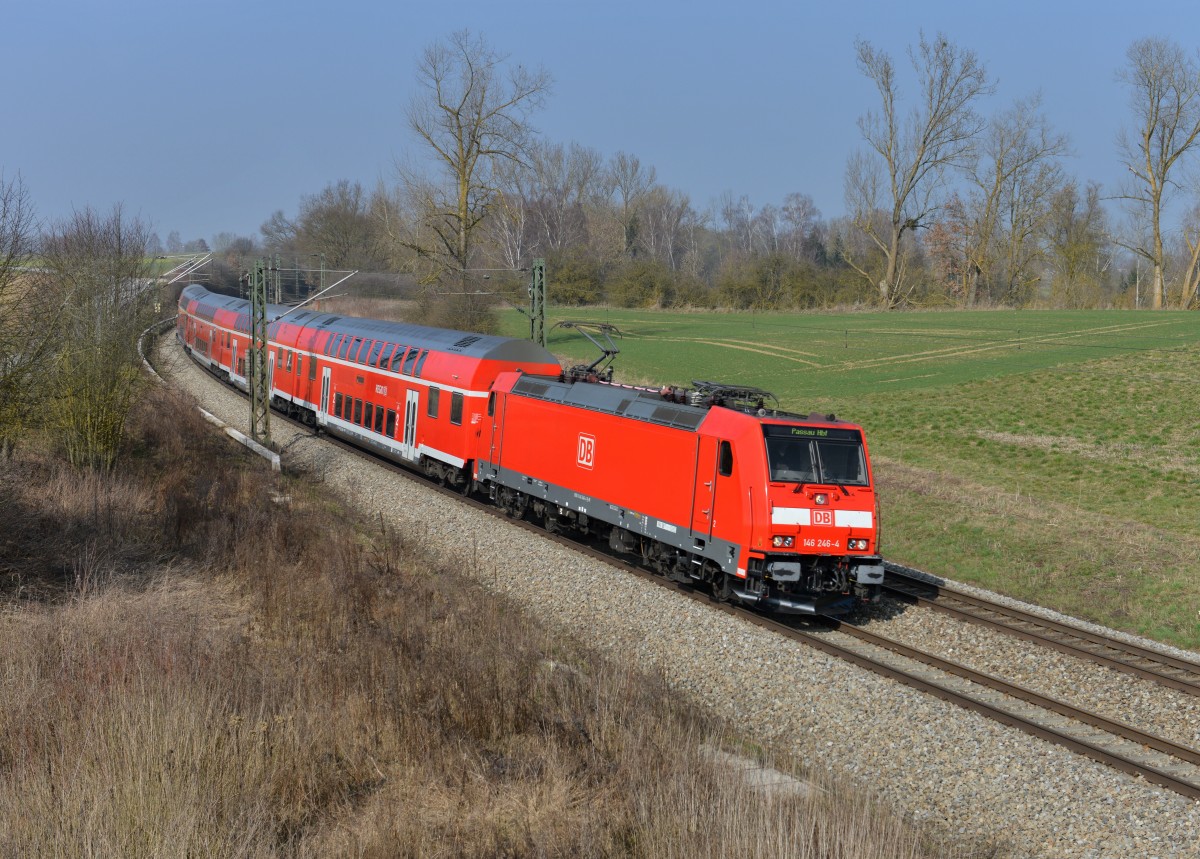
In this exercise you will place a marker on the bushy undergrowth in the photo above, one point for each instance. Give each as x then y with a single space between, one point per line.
201 659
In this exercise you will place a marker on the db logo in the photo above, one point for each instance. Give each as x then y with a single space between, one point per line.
586 454
822 517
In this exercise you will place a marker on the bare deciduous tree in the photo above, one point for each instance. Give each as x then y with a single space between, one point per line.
1014 182
567 182
666 217
1190 279
631 183
99 266
909 155
1164 95
473 113
1077 246
26 311
800 217
340 222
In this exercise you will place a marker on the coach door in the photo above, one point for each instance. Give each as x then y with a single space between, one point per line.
495 407
323 412
704 494
408 445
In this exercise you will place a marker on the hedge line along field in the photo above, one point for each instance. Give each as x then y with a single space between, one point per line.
1051 456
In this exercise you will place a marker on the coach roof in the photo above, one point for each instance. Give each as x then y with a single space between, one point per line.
482 346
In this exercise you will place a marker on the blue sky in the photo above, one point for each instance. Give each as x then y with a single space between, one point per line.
207 117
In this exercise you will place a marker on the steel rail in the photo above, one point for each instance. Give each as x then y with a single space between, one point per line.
1161 668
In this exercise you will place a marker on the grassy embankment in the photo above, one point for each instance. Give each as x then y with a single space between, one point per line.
1049 455
202 659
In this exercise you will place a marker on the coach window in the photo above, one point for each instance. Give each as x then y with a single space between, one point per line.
312 368
386 356
344 349
373 358
289 362
391 424
368 412
431 405
360 354
379 419
421 363
725 463
358 411
337 405
398 358
456 403
332 344
409 360
299 365
279 360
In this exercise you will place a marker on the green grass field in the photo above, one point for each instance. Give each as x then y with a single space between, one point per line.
1049 455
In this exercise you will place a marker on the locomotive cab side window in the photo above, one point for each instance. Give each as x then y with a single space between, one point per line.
725 460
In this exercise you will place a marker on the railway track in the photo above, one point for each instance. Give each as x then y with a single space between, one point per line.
1108 741
1111 742
1123 656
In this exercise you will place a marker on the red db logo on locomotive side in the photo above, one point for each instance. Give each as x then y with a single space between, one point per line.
586 455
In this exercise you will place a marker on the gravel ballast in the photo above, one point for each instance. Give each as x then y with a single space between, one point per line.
969 776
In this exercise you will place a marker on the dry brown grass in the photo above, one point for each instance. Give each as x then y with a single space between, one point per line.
224 675
391 309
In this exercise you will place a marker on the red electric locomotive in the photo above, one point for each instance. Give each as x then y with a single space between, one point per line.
705 485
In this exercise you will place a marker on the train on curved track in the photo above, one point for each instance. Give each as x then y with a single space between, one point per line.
705 485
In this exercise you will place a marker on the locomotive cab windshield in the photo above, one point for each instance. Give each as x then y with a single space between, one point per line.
804 454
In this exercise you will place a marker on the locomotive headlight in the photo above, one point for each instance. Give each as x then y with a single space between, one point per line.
781 542
858 544
820 498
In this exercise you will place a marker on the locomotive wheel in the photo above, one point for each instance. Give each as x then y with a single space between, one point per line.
550 520
722 587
